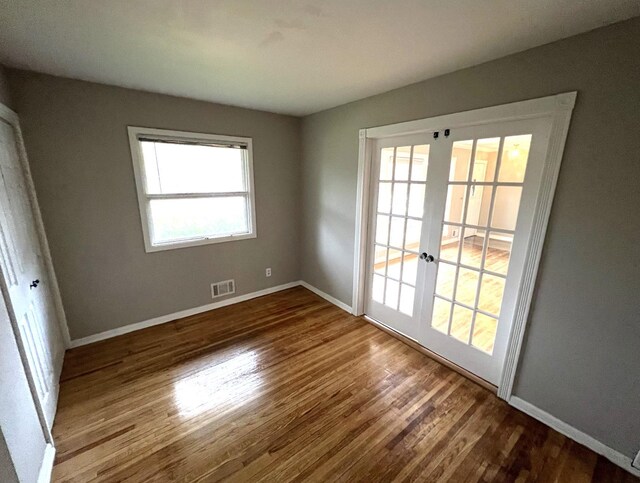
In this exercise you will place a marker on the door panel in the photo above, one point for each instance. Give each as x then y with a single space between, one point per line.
396 224
30 302
484 204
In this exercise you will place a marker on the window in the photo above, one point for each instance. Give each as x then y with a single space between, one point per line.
193 189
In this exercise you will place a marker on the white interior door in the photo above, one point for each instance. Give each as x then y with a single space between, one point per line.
481 216
25 280
399 184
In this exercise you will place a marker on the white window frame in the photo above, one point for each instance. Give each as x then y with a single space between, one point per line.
143 198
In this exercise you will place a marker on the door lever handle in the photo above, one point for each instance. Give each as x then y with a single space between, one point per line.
34 284
426 257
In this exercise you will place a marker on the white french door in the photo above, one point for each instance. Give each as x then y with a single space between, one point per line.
465 250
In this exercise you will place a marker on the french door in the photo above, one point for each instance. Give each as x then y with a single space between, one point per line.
447 247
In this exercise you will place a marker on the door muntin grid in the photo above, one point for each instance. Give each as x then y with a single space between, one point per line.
400 197
474 253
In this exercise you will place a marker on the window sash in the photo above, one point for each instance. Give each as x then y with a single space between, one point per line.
137 135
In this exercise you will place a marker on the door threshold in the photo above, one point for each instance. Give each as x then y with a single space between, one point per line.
438 358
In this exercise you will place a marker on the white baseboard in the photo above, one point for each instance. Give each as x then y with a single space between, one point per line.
178 315
44 476
569 431
326 296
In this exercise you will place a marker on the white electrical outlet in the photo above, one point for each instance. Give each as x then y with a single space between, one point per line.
267 272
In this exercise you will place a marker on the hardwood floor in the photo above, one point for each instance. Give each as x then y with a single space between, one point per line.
289 387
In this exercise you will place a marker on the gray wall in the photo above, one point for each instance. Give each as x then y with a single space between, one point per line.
5 97
76 139
582 353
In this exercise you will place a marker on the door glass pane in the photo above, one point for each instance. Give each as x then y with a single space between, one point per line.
484 168
384 198
420 162
378 289
380 260
515 155
412 238
479 205
491 291
484 332
440 317
449 243
460 160
394 263
403 160
505 207
386 163
416 200
467 286
445 280
391 294
410 268
498 252
455 203
472 244
382 229
407 295
396 237
399 205
461 323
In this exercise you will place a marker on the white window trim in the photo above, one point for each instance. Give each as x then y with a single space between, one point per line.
137 160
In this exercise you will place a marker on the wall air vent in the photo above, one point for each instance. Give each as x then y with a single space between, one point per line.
220 289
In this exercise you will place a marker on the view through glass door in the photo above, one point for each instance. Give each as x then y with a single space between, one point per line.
477 209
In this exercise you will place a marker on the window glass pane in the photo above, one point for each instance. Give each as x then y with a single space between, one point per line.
384 198
498 252
484 166
386 163
403 159
472 244
394 263
392 293
420 162
440 317
460 160
416 200
455 203
445 280
399 205
382 230
412 238
484 332
377 294
410 268
515 155
407 294
505 207
184 168
479 205
491 294
192 218
467 286
396 237
461 323
380 259
449 243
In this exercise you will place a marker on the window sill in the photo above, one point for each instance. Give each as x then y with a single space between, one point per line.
194 243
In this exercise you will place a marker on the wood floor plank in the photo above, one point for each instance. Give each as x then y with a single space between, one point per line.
288 387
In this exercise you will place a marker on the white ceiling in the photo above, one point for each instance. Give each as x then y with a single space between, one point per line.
289 56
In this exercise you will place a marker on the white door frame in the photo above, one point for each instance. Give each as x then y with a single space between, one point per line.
557 109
